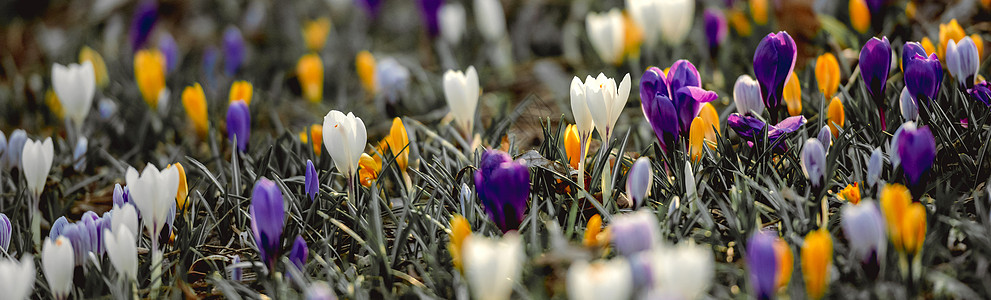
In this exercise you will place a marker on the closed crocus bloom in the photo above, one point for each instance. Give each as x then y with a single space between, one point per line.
267 219
634 232
645 15
310 72
864 229
594 236
149 72
57 262
369 168
895 199
452 22
738 20
315 33
492 265
825 138
5 231
122 251
460 230
817 256
684 271
461 90
828 74
786 262
981 92
962 61
639 181
675 17
716 29
758 9
311 182
239 124
610 279
851 193
235 50
860 15
241 91
36 160
299 253
793 95
572 145
951 31
194 102
875 62
153 192
17 277
923 76
836 116
124 216
746 96
774 61
814 162
74 84
913 229
183 191
490 19
606 33
916 151
89 55
762 263
364 64
875 166
349 139
503 185
15 147
143 21
696 137
909 109
606 101
398 141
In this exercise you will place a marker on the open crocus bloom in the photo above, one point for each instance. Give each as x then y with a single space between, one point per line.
671 102
751 128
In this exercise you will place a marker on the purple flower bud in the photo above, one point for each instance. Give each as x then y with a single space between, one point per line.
267 220
169 48
299 253
503 185
875 166
716 29
916 150
910 109
910 50
962 60
142 23
981 92
814 162
774 60
923 75
825 138
762 262
658 108
639 180
5 231
864 228
57 228
15 145
234 50
635 232
746 96
239 124
429 10
875 62
751 128
312 183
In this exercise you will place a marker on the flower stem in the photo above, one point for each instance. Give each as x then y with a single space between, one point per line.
156 266
581 162
36 223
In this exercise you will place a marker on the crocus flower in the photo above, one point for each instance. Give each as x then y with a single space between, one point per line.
429 10
786 262
89 55
503 185
701 134
915 150
909 107
143 21
635 232
153 192
492 265
241 91
124 216
37 159
817 256
670 103
349 138
364 64
74 84
3 149
594 236
319 291
774 61
758 10
314 137
122 251
398 142
684 271
606 101
927 46
814 162
460 230
17 277
79 154
490 19
639 181
875 62
239 124
675 19
461 91
851 193
793 95
392 78
15 146
923 77
368 169
825 138
962 61
315 33
860 15
762 263
875 166
605 32
299 253
452 22
951 31
572 145
169 48
905 220
149 73
604 279
864 229
981 92
267 219
194 102
751 128
121 195
183 192
836 116
746 96
57 262
312 182
235 50
5 231
645 16
309 69
716 29
827 74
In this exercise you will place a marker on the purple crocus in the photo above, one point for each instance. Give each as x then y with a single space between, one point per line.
875 62
503 185
15 145
145 16
57 228
923 75
751 128
299 253
916 151
864 228
234 50
429 10
981 92
814 162
5 231
169 48
716 29
267 219
86 235
239 124
671 102
910 50
774 61
762 262
312 182
634 232
121 195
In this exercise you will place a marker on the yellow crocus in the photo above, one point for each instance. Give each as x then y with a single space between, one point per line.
315 136
738 20
913 229
703 131
851 193
836 116
595 235
817 256
460 230
827 74
369 169
632 37
860 15
895 199
194 101
951 31
786 262
793 95
572 145
927 45
149 72
979 42
315 33
53 103
181 195
365 65
99 67
758 9
241 90
708 113
309 70
398 141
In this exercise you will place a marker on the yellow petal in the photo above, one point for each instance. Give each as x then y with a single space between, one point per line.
836 116
758 9
739 22
913 228
708 113
315 33
793 95
460 230
241 90
180 196
314 137
572 145
369 169
149 72
980 45
817 256
365 65
951 31
927 45
696 138
786 262
398 141
592 231
53 103
827 74
851 193
99 67
194 101
309 70
632 37
860 15
895 199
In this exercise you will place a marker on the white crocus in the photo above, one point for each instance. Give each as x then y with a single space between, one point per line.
452 22
644 14
57 261
675 17
124 216
461 91
583 124
346 139
153 192
639 181
36 159
680 272
962 60
746 95
74 85
611 279
17 277
490 19
606 101
606 32
122 251
491 266
910 110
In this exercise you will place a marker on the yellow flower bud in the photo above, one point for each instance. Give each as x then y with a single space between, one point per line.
460 230
572 145
951 31
149 72
758 9
595 236
793 95
895 199
315 33
241 90
309 70
836 116
181 195
398 140
194 101
828 74
851 193
696 138
860 15
786 262
99 67
913 228
817 256
739 22
927 45
708 113
365 65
